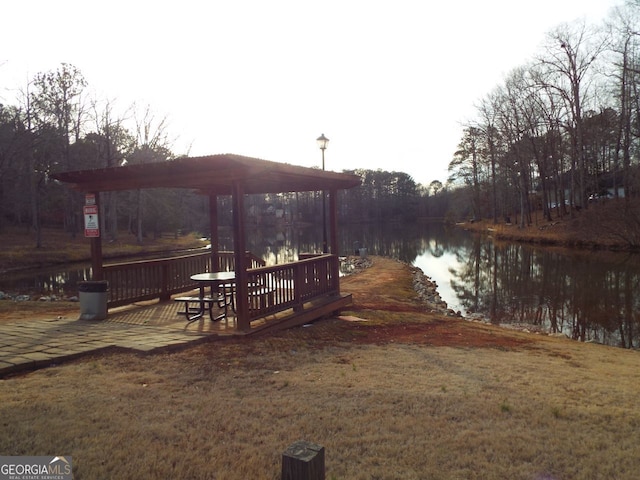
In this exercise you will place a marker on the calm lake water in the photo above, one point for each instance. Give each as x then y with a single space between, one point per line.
588 296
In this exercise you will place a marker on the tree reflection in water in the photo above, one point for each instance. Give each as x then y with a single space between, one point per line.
586 295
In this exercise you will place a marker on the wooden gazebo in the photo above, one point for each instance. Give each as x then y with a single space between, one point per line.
237 176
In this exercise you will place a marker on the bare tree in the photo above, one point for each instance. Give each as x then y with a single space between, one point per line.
115 144
56 103
15 142
623 27
488 118
152 144
513 126
466 165
568 61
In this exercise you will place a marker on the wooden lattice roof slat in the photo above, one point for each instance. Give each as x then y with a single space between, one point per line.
210 174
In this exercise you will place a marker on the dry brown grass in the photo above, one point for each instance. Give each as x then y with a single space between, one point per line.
400 409
610 224
11 311
402 395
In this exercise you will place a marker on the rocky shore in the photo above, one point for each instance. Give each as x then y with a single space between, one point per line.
427 291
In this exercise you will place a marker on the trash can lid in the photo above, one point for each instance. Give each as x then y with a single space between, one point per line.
94 286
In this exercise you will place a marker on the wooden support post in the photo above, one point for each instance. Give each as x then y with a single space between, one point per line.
333 221
213 226
303 461
239 246
96 247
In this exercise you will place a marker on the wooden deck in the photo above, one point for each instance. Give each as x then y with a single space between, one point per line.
289 293
166 313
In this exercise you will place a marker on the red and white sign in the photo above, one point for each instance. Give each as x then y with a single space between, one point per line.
91 223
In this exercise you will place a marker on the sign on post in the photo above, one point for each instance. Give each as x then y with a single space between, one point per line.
91 223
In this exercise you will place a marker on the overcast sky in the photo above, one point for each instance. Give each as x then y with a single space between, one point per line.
388 82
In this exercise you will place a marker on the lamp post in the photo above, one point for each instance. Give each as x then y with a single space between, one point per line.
322 144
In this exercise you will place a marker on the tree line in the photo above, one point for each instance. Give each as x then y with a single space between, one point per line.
55 126
561 131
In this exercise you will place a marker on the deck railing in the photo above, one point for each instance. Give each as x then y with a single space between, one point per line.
148 279
280 287
271 289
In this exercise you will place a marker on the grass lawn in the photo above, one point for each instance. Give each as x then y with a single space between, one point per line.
390 391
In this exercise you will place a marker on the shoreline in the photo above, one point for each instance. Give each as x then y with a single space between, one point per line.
596 229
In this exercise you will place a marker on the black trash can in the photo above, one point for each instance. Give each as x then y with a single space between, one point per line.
93 299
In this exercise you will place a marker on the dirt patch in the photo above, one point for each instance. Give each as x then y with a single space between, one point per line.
439 333
387 309
386 283
11 311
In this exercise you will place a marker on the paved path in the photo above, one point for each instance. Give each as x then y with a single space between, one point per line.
32 344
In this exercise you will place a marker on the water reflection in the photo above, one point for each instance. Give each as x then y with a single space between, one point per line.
587 296
46 281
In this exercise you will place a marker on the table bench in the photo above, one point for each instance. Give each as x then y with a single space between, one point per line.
220 295
196 312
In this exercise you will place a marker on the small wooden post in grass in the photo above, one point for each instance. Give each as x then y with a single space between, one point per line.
303 461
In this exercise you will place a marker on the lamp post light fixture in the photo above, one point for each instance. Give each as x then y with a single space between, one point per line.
322 144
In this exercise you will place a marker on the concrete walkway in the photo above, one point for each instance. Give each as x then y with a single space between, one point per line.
32 344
